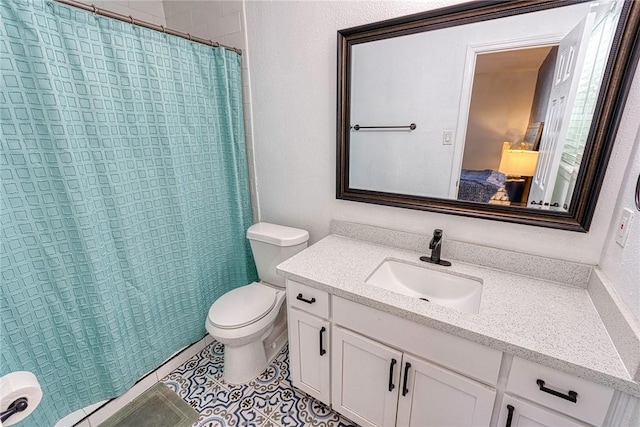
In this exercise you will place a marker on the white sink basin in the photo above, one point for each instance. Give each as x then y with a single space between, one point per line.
462 293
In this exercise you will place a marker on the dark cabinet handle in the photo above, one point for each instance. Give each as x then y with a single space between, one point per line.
509 416
308 301
405 390
571 396
322 350
391 384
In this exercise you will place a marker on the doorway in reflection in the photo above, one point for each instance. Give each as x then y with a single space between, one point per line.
507 111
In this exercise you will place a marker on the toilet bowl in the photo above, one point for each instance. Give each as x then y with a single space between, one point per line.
251 320
243 330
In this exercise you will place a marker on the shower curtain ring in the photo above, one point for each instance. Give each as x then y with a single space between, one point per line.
189 36
164 30
95 9
133 21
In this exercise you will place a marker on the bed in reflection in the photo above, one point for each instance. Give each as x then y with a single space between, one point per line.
482 186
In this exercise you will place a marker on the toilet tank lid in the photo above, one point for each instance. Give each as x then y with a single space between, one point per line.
277 234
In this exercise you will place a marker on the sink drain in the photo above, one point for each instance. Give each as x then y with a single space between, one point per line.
424 299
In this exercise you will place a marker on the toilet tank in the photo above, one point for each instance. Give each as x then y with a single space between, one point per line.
272 244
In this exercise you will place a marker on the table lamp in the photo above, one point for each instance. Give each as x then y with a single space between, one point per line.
516 164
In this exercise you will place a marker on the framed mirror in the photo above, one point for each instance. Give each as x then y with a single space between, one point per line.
495 110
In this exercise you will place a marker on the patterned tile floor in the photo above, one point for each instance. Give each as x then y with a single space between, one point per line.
268 401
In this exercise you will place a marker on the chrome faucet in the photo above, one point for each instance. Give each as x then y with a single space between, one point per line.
436 246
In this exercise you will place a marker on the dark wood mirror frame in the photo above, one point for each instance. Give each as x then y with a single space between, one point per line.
616 82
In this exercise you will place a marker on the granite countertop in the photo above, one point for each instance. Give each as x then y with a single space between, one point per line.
546 322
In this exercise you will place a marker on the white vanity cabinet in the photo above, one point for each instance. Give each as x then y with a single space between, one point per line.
518 413
376 385
309 340
378 369
433 396
365 379
561 392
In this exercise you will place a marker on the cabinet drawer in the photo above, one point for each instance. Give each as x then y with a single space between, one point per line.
525 414
308 299
547 386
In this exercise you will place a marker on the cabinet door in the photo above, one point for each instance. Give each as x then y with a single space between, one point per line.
364 379
527 415
433 396
309 354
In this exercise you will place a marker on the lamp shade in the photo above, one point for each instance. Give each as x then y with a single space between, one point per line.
519 162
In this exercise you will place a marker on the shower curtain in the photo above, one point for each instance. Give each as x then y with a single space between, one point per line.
124 198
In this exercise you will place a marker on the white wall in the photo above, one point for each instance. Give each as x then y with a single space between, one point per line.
404 90
223 22
407 87
220 21
145 10
293 59
621 265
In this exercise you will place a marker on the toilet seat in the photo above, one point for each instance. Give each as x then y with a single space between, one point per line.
242 306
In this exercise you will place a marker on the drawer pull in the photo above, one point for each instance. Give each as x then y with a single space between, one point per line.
405 390
308 301
322 350
571 396
391 384
509 415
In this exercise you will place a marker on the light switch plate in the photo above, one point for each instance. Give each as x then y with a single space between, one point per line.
447 137
623 226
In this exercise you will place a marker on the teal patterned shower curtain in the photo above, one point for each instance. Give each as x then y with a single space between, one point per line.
124 198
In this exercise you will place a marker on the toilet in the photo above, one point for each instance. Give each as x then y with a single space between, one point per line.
251 320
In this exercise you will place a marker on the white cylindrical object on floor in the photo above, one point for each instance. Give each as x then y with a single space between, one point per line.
15 385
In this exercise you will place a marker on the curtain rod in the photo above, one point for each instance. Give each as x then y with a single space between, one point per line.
131 20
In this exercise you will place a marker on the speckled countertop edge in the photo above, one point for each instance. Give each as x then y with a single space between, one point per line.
546 322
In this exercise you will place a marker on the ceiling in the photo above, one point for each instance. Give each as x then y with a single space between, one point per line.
512 60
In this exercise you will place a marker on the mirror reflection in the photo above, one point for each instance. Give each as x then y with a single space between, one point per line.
501 108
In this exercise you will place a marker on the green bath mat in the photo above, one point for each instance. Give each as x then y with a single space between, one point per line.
157 407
